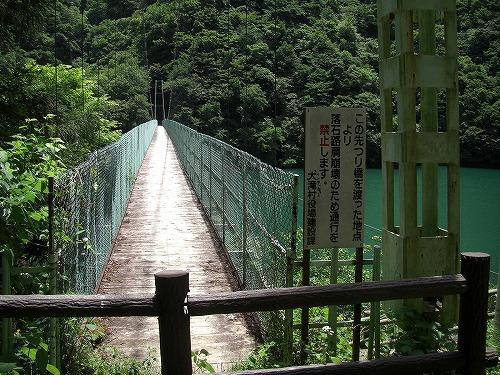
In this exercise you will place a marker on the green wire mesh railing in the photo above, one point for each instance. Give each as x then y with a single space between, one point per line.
249 203
90 203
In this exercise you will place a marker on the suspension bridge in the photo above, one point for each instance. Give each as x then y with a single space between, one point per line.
164 227
167 197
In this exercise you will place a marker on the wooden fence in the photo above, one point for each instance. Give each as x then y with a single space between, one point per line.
173 306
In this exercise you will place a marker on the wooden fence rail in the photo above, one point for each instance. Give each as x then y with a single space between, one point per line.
174 306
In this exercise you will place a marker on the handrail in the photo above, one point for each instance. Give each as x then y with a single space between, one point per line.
40 305
312 296
169 304
408 365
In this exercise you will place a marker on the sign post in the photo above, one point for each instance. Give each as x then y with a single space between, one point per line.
334 175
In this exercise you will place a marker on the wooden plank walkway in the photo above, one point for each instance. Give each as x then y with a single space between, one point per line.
164 228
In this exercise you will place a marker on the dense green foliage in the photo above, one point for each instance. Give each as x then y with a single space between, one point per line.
245 74
26 164
242 72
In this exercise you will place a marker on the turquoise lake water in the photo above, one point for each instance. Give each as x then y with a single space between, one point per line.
479 205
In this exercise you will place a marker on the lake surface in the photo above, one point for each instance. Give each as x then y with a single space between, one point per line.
479 204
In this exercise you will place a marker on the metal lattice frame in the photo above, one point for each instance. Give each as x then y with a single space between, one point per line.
410 249
252 207
91 200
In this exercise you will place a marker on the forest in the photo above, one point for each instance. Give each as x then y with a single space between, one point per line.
239 71
76 75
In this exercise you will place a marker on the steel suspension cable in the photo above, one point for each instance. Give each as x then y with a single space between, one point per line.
146 57
99 78
56 83
171 84
162 100
275 95
170 99
245 107
82 6
275 98
228 60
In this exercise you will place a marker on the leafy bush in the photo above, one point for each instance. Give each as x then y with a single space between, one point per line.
85 354
420 334
26 164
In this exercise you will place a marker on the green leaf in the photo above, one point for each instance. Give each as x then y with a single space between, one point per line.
4 156
31 353
30 196
208 367
335 360
38 186
42 358
36 216
53 370
6 367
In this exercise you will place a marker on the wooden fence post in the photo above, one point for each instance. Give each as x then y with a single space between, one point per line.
474 312
175 337
6 290
374 330
356 325
333 310
496 325
53 264
290 258
304 316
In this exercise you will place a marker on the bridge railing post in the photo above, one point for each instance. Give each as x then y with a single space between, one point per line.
472 325
290 258
223 170
201 169
244 224
172 288
210 178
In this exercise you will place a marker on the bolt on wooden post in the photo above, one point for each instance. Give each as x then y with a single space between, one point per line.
172 288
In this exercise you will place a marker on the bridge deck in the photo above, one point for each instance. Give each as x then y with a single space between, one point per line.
164 228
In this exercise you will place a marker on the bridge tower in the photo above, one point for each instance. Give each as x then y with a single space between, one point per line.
414 69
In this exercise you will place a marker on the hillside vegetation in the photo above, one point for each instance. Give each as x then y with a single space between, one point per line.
242 72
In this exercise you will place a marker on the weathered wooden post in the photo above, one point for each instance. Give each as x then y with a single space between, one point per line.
333 310
474 312
172 288
410 249
291 256
304 315
53 264
374 330
496 332
356 324
6 290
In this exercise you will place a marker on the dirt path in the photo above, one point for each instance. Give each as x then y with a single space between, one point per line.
164 228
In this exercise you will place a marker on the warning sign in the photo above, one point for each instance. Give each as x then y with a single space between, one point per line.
334 175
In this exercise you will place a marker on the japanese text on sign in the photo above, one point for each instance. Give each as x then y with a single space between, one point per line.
335 155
